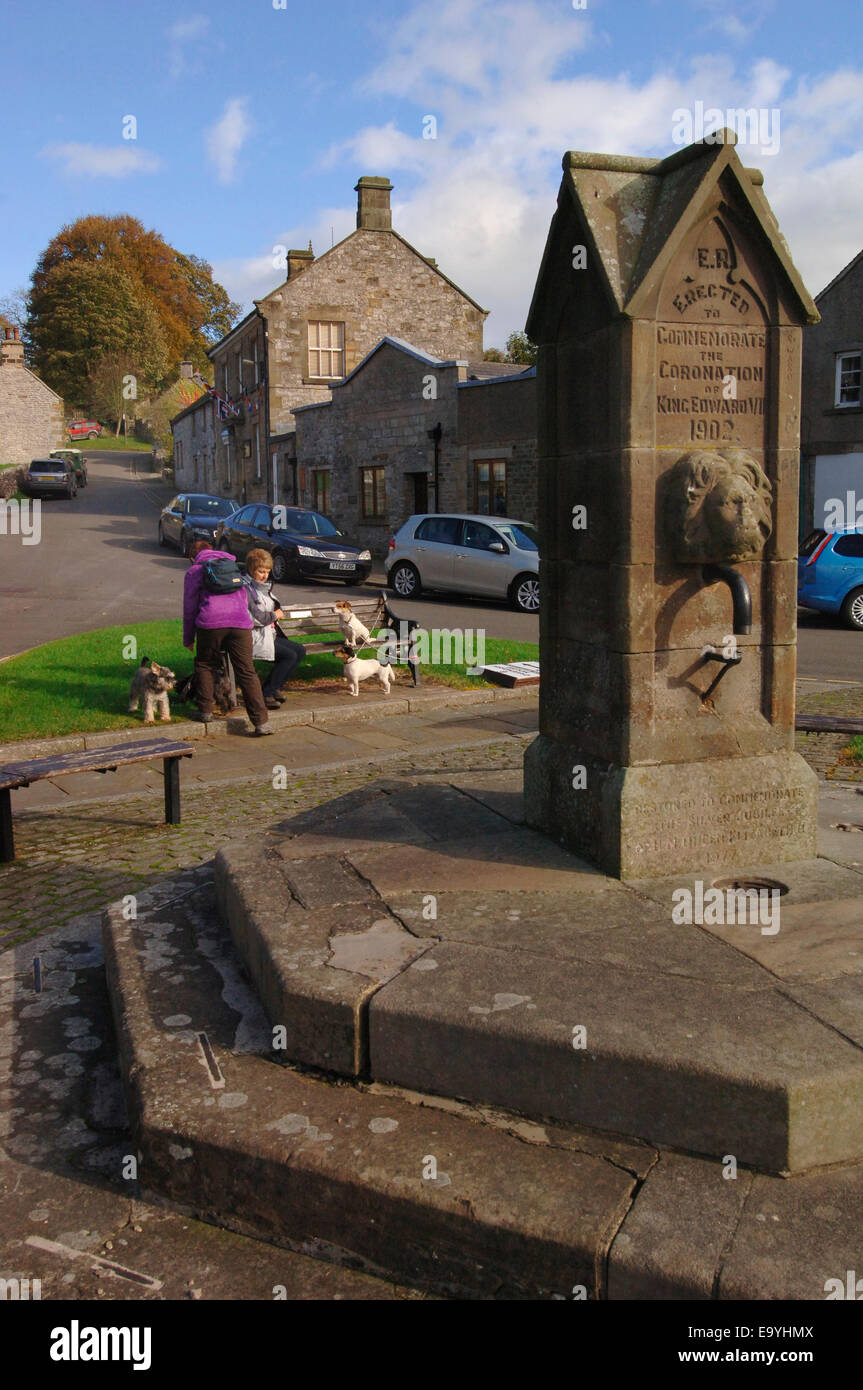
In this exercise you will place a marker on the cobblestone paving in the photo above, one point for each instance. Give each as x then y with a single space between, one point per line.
74 861
828 754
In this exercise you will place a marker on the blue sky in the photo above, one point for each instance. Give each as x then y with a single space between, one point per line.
254 122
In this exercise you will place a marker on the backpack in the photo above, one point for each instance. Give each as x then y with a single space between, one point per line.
222 576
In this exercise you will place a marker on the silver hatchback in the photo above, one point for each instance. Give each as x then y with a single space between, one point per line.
493 557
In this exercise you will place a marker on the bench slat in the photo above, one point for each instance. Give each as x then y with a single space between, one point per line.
827 724
89 760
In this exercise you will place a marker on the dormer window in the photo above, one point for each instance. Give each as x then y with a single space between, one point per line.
848 365
326 350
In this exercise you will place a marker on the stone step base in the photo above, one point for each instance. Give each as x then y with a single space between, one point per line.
455 1200
419 935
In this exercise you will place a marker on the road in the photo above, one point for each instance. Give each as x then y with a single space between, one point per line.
99 564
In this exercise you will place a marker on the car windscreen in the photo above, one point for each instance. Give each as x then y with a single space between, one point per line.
210 506
812 541
309 524
523 537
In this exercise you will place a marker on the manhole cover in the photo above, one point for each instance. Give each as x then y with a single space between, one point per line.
844 825
767 885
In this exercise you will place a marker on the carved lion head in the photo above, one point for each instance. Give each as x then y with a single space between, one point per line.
719 506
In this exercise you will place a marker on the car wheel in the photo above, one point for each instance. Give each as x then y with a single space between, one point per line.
405 580
852 609
280 567
524 593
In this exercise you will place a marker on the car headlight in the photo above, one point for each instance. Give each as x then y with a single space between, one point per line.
364 555
310 553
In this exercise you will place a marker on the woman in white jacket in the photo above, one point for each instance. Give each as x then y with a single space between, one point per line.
267 643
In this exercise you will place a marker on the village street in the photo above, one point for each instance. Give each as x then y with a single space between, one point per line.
99 564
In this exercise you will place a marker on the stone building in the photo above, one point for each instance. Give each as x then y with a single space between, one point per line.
832 397
311 331
408 432
195 430
31 414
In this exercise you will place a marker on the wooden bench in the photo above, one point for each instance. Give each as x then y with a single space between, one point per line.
21 774
373 612
827 724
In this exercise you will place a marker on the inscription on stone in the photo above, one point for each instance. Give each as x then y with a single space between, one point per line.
710 385
735 818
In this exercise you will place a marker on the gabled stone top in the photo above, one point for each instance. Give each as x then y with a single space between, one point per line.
635 213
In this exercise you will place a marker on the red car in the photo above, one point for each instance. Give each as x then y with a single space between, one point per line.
84 429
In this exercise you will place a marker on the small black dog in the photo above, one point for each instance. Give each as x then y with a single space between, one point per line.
223 696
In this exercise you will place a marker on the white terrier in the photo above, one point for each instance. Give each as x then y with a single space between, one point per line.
357 670
353 631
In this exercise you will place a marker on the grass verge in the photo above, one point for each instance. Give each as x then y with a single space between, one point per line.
109 441
80 684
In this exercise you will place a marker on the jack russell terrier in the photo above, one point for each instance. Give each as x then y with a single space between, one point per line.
353 631
357 670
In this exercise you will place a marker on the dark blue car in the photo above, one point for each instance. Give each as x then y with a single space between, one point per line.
830 574
192 516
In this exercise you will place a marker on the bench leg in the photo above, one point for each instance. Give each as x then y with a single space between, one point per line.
7 842
172 790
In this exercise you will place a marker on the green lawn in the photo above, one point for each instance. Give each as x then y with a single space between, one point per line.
108 441
81 684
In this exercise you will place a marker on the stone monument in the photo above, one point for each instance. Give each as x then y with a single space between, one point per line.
669 316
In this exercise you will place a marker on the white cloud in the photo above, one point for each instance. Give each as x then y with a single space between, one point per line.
180 34
511 89
225 139
103 161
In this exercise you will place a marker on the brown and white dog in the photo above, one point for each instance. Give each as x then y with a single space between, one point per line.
353 631
357 670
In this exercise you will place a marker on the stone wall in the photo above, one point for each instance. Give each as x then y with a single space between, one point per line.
31 416
829 432
497 419
380 418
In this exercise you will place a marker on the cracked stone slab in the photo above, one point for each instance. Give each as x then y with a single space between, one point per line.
314 969
346 1174
815 940
672 1240
610 924
316 882
837 1002
668 1060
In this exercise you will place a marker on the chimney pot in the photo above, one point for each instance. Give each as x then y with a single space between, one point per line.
373 204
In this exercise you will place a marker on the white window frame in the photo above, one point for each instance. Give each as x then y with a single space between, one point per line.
336 354
841 358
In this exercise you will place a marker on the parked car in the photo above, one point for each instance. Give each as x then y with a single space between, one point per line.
50 478
77 460
830 574
481 555
192 517
84 429
304 544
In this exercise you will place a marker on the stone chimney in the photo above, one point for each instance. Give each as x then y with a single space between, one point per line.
11 349
186 371
298 261
373 204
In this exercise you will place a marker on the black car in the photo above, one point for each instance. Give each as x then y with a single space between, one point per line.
192 516
304 544
50 478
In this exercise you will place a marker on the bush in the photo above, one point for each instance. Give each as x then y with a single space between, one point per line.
11 479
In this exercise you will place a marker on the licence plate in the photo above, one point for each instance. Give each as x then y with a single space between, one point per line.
342 565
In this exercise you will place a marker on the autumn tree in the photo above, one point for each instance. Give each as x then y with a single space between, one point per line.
520 349
160 286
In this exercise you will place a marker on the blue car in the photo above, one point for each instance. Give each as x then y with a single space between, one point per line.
830 574
192 517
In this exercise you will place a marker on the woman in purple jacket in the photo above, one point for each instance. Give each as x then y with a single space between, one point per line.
217 621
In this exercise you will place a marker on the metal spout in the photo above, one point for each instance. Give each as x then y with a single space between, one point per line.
740 595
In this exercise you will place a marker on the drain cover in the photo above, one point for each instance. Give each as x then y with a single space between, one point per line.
746 884
844 825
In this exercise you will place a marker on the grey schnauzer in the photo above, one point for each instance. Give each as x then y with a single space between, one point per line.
151 684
